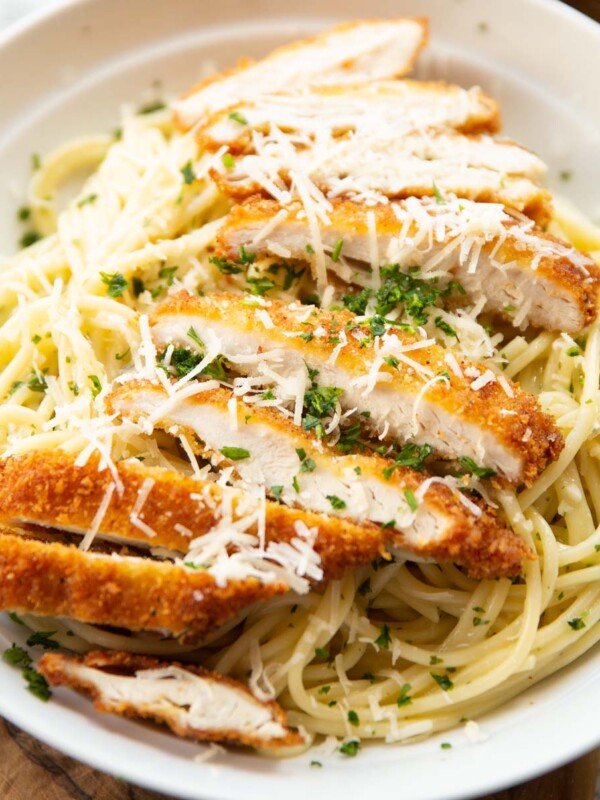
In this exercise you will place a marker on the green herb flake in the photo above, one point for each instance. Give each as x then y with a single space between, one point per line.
237 117
433 660
573 351
260 286
43 639
23 213
74 387
322 652
36 161
308 465
37 684
115 282
410 498
168 273
29 238
138 286
277 491
316 764
443 681
365 587
470 468
123 355
310 249
228 161
337 250
151 107
295 484
445 328
89 200
235 453
336 502
480 621
577 623
384 638
37 382
446 746
96 385
16 656
353 718
36 339
350 748
439 197
15 618
324 690
565 175
189 176
404 699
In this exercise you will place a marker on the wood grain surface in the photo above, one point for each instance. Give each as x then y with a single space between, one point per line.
29 769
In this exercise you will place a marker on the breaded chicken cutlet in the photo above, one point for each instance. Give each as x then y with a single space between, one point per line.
412 388
353 52
193 702
543 281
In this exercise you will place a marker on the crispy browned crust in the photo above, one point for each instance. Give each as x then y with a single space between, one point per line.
309 40
58 670
537 204
52 579
48 489
482 544
487 120
557 270
481 407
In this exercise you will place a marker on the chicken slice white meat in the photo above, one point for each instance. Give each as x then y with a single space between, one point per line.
193 702
155 508
354 52
427 516
395 106
513 265
412 388
424 163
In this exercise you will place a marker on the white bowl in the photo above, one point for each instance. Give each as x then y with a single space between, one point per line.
66 73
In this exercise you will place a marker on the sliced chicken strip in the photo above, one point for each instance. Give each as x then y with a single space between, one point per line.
140 594
421 164
429 396
193 702
397 106
159 508
359 51
426 515
545 282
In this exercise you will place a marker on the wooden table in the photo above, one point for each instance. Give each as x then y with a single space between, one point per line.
29 769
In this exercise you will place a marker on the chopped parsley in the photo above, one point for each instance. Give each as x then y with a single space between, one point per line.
446 746
411 455
404 699
15 618
23 213
43 639
228 161
115 282
310 249
324 690
336 502
96 385
37 382
194 337
260 286
433 660
410 498
480 621
138 286
123 355
29 238
319 402
36 683
443 681
36 339
350 748
224 266
277 491
322 652
470 468
353 718
168 273
237 117
89 200
445 328
151 107
235 453
316 764
337 250
439 197
189 176
384 638
295 484
576 623
357 303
